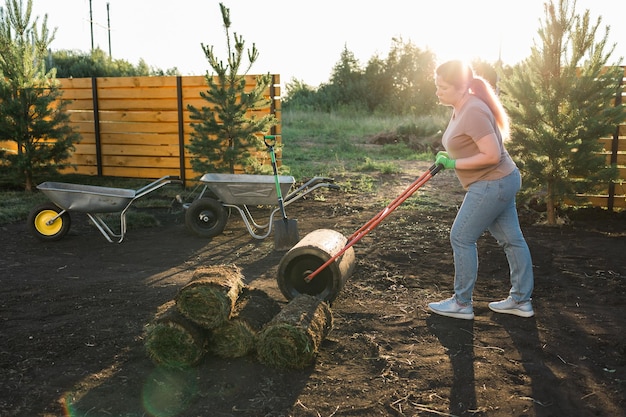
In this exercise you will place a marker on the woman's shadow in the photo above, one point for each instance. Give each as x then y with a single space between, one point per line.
457 337
545 388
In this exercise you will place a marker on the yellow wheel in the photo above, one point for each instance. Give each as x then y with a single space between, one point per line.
44 226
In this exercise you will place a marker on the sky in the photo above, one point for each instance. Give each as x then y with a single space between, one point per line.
303 40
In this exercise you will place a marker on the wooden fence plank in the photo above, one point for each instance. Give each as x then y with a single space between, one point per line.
621 158
149 116
90 170
138 172
138 127
146 162
603 201
607 143
77 94
141 139
137 92
139 150
75 83
137 104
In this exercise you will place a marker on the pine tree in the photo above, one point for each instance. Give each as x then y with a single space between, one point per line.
346 81
560 101
411 73
225 133
31 113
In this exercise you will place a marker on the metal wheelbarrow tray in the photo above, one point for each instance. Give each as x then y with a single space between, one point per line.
245 189
206 216
51 222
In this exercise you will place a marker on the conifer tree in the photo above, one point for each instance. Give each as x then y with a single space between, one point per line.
224 130
561 101
31 114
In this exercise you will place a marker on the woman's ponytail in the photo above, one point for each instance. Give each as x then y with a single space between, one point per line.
479 87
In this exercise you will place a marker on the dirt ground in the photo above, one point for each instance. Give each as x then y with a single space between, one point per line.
73 314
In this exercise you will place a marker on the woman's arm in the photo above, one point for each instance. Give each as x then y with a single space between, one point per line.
488 154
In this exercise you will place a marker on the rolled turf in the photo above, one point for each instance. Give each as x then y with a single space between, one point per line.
237 337
293 337
210 296
173 341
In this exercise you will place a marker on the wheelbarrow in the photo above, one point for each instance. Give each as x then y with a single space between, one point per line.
208 214
51 221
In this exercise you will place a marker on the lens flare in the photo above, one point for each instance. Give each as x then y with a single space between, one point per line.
168 392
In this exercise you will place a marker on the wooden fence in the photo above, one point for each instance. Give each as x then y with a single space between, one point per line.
138 126
614 195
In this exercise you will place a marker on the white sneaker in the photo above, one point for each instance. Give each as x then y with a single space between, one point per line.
451 308
510 306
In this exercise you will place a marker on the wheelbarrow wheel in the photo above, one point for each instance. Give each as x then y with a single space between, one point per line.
40 226
206 217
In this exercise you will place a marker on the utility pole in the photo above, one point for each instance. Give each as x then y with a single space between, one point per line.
91 23
109 30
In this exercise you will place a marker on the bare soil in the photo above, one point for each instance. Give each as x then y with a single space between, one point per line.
72 317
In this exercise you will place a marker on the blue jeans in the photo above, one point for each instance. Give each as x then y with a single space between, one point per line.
490 205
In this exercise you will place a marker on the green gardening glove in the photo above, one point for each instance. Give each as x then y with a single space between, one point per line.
444 160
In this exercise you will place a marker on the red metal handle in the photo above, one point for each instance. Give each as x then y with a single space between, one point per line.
379 217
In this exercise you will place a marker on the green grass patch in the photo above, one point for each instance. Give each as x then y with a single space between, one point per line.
358 184
381 166
15 205
331 144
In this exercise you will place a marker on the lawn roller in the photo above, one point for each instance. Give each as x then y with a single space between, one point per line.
321 263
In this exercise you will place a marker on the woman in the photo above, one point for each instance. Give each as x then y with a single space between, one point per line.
474 148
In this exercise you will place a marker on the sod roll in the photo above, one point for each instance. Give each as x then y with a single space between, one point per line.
237 337
293 337
173 341
210 296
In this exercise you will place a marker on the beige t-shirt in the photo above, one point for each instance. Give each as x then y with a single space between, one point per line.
475 121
